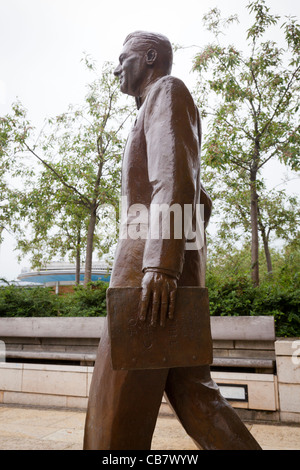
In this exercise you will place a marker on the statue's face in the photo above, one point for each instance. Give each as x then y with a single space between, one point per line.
132 70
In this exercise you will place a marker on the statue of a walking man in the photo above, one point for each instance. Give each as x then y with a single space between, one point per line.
161 165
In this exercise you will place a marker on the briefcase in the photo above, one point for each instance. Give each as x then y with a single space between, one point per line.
184 341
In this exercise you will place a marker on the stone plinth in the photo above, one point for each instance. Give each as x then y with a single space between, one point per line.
288 376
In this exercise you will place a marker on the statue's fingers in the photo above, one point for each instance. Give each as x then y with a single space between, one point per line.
164 306
172 301
145 300
155 306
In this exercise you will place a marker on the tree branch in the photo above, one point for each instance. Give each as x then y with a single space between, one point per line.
276 149
84 199
267 159
241 129
280 101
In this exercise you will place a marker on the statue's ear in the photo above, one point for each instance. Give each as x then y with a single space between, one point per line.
151 55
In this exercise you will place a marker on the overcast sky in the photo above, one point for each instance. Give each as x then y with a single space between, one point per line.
42 43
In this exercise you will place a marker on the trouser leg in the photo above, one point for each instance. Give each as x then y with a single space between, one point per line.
123 405
206 416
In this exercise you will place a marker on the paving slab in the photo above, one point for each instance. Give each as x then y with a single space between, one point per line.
29 428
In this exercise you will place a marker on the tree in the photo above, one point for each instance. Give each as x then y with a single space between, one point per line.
58 224
253 104
278 214
12 169
80 154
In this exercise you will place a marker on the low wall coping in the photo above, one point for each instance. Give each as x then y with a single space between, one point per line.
287 346
223 328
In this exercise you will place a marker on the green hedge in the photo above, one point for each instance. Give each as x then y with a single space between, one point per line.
231 291
237 297
229 296
41 302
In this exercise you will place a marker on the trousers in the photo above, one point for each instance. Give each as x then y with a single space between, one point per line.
123 407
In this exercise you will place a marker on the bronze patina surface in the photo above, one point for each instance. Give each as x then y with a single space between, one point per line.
136 344
161 165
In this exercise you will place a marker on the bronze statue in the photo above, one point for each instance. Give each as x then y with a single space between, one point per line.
161 165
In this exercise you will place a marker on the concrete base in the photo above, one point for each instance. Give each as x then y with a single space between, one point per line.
261 389
65 386
269 397
45 385
288 371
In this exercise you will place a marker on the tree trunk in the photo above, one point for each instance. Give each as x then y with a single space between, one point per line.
93 217
89 245
254 231
265 239
268 256
78 260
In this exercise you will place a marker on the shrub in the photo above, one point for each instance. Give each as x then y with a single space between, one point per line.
237 296
42 302
230 293
87 301
27 302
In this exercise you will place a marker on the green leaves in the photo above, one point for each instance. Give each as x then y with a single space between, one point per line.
209 53
74 168
263 19
215 23
41 302
231 292
28 302
251 101
292 36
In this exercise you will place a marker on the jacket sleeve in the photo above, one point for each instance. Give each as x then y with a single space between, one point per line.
172 141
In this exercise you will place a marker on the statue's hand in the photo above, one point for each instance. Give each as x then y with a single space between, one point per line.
158 297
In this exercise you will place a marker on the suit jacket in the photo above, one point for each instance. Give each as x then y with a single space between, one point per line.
161 165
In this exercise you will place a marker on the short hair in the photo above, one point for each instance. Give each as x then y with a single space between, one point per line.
159 42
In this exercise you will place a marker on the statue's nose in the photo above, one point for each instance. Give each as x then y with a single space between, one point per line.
117 71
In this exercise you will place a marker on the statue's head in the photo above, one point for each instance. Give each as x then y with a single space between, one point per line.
144 58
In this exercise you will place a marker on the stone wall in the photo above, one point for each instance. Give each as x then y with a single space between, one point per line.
269 396
288 378
45 385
